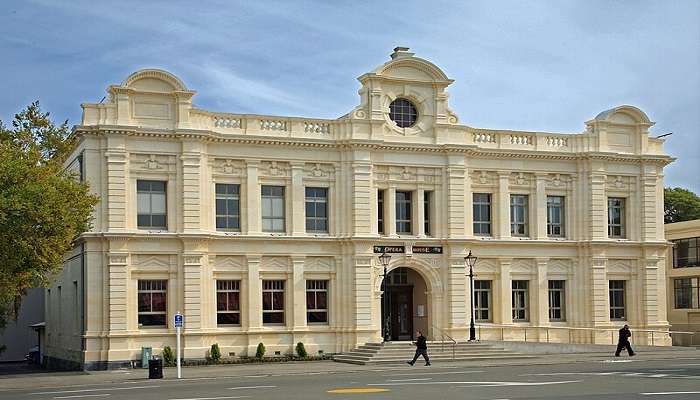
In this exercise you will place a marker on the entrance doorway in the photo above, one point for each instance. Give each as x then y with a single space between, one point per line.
405 294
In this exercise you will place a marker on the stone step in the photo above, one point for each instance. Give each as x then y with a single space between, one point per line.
400 360
431 351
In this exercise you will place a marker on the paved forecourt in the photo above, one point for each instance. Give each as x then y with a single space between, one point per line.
594 377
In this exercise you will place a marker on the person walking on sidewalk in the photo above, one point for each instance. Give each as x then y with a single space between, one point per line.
623 341
421 349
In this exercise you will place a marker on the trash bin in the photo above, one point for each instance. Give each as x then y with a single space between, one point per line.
146 353
155 368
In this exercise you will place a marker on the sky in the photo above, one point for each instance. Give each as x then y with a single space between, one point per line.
523 65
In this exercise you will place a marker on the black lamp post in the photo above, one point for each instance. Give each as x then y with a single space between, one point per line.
470 261
384 259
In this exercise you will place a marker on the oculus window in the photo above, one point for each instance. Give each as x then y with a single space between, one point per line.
403 113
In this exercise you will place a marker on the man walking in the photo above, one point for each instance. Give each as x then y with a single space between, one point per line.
623 341
421 349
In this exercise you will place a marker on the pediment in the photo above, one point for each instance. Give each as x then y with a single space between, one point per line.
150 261
235 263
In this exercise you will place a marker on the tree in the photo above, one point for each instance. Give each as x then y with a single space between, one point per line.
43 207
680 205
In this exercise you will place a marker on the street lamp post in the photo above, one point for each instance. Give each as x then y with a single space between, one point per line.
384 259
470 261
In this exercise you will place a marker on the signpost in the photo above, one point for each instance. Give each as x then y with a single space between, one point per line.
178 326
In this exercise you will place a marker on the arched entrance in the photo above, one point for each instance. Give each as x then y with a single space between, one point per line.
404 305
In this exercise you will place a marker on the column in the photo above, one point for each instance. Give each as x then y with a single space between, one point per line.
361 186
298 200
419 221
192 272
117 291
600 308
363 294
455 196
504 312
253 199
191 186
540 207
651 311
390 211
598 217
540 292
116 188
298 288
468 203
254 285
502 207
649 202
459 302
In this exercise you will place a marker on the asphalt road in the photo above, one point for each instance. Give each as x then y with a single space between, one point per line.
624 378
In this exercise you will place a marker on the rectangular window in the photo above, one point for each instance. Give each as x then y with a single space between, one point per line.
228 304
152 302
482 300
520 301
686 293
316 209
228 207
555 216
616 217
380 211
617 299
272 208
518 215
317 302
426 212
686 253
151 205
403 213
482 213
273 302
556 301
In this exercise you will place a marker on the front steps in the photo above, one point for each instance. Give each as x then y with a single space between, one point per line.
400 352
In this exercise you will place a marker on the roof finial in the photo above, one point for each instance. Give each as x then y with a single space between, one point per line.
401 52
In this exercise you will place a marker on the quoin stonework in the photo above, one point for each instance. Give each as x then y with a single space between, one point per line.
267 228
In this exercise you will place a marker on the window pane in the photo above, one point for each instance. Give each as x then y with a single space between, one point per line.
221 301
158 301
143 203
158 203
228 318
144 301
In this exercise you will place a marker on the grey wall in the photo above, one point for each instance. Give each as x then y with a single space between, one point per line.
18 336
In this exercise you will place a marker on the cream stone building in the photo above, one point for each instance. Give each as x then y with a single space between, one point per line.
683 271
267 228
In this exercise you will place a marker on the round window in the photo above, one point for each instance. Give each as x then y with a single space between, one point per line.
403 112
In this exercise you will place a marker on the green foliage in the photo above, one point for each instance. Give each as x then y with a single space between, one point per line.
215 353
301 350
43 208
680 205
260 351
168 357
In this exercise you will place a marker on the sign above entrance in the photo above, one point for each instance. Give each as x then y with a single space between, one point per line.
414 249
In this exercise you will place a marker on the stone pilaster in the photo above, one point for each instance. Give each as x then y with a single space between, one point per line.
459 302
362 184
504 314
254 289
600 311
117 178
649 202
298 293
363 292
540 208
117 290
651 312
419 212
390 211
298 200
254 221
540 292
455 196
192 272
191 187
598 217
502 208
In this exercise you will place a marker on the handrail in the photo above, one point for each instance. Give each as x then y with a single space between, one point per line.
572 328
443 335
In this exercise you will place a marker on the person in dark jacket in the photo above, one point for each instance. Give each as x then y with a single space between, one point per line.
623 341
421 349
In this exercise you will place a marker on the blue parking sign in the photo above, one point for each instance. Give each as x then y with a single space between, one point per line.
178 320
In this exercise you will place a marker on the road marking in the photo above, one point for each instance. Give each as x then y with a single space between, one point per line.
255 376
688 365
666 393
251 387
357 390
441 373
213 398
207 378
408 380
474 383
82 395
95 390
666 370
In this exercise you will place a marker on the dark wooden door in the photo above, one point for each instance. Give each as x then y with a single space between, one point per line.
401 312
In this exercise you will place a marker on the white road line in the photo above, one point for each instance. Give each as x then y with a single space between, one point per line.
206 378
474 383
688 365
666 370
95 390
82 395
441 373
255 376
213 398
251 387
408 380
666 393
